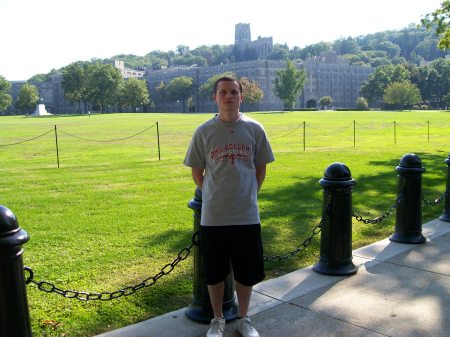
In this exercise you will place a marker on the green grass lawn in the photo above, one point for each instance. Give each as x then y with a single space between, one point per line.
113 215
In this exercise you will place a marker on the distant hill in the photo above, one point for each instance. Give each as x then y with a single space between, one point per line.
412 44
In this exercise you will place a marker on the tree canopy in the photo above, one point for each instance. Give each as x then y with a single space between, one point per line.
440 21
402 94
5 97
288 84
28 97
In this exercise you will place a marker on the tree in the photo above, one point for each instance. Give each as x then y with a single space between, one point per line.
74 83
288 84
373 88
134 93
439 19
325 101
402 94
103 83
28 97
279 52
180 88
206 89
251 90
5 97
361 103
161 96
433 81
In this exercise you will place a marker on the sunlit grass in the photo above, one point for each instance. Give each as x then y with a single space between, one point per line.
113 215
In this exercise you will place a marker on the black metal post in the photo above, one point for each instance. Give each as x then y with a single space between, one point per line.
200 309
336 234
408 219
446 215
14 314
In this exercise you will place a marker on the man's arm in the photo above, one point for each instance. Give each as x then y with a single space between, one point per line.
260 175
197 175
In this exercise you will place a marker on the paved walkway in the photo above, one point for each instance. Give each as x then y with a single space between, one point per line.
399 290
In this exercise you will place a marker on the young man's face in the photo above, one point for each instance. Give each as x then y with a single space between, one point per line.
228 97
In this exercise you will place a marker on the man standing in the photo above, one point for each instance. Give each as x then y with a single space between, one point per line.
228 156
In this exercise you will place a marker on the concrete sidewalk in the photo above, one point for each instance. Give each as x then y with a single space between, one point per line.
399 290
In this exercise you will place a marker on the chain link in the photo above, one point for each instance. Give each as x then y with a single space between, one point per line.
106 295
381 217
316 230
436 201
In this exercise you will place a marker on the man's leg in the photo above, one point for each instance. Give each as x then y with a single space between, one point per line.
216 296
244 294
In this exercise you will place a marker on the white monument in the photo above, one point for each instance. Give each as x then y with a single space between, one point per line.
40 109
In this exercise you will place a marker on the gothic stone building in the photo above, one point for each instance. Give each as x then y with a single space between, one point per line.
326 76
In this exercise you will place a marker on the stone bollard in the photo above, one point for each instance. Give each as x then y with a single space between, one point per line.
408 219
200 309
446 215
14 313
336 234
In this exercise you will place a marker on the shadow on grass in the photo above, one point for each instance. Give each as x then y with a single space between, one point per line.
288 215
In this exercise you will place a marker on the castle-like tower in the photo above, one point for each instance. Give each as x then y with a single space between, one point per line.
245 49
242 34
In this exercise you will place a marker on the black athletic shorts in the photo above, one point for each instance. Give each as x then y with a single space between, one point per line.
239 247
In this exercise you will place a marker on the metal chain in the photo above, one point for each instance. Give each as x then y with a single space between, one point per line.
383 216
316 230
106 295
436 201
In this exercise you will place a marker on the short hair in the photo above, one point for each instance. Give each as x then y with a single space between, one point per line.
227 79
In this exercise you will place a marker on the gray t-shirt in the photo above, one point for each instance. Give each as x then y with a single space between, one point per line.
229 152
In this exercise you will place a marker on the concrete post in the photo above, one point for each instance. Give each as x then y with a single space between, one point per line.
200 309
14 313
336 233
408 220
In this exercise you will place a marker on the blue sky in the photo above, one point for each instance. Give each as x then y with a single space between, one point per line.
38 35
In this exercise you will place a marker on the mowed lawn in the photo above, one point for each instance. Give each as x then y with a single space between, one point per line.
115 212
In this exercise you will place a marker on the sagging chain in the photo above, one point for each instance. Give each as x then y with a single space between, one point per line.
316 230
438 200
381 217
106 295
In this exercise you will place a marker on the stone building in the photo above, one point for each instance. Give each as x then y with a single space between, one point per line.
327 75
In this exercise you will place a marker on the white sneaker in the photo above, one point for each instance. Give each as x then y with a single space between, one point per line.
216 327
246 328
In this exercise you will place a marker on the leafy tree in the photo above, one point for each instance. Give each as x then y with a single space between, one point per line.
347 45
373 88
44 77
392 49
325 101
402 94
289 83
428 50
103 83
5 97
251 90
180 88
447 100
439 19
310 50
161 96
206 89
28 97
134 93
279 52
361 103
74 83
